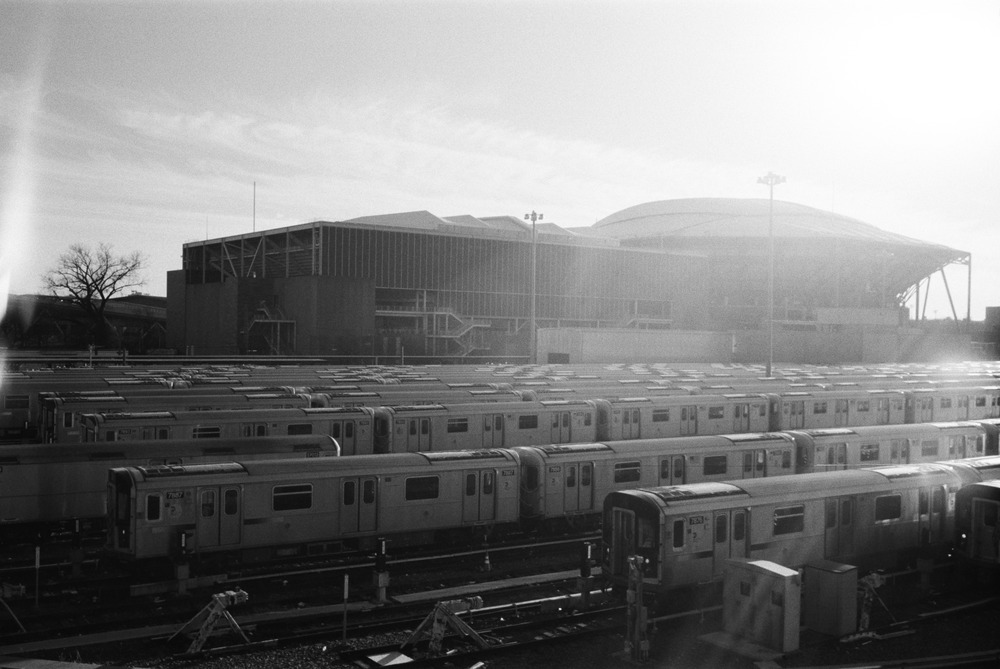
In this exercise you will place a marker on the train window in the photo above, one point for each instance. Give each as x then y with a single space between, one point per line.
421 487
413 428
67 419
937 500
846 512
789 519
527 422
570 476
487 483
588 419
665 469
980 401
739 526
715 465
458 425
888 507
869 453
349 430
109 435
349 493
16 402
945 402
661 415
229 500
786 459
531 477
291 497
819 407
678 534
626 472
989 515
963 402
368 491
206 432
862 405
626 417
721 529
585 475
955 446
747 463
300 428
922 505
716 412
761 410
153 507
831 513
929 448
470 484
565 418
425 426
207 503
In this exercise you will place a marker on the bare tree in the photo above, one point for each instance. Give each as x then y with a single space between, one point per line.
90 278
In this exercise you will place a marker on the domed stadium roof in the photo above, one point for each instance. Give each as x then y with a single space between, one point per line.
730 217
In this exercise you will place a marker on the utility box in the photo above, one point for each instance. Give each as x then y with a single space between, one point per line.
762 603
830 597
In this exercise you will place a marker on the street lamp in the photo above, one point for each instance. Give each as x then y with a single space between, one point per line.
533 216
770 180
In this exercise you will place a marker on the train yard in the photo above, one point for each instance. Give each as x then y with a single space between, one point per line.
430 505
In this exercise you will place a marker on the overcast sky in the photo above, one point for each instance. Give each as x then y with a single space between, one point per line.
147 124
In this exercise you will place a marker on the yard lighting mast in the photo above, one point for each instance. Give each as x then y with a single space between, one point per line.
770 180
533 346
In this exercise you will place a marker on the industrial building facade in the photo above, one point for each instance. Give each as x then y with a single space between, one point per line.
463 288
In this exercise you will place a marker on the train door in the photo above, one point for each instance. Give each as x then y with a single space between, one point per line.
836 456
741 417
841 413
839 524
689 420
623 540
932 515
219 519
672 470
359 498
795 415
479 501
924 407
493 436
985 530
578 487
729 528
899 452
754 463
956 447
418 434
561 427
630 424
343 432
882 412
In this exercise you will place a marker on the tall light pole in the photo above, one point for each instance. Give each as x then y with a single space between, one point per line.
533 345
770 180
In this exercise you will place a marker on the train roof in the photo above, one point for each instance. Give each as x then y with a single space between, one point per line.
794 487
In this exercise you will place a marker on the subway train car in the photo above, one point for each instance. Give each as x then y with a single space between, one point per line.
264 509
562 482
61 416
869 446
489 425
45 488
868 517
350 426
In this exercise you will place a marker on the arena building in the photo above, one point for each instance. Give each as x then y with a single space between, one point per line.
671 280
